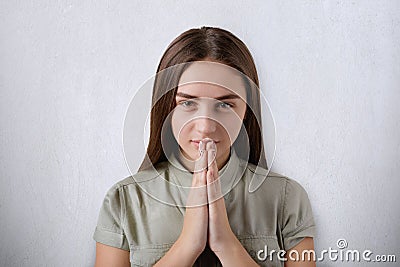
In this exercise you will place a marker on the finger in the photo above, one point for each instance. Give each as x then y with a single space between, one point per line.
213 181
201 163
198 193
211 152
212 161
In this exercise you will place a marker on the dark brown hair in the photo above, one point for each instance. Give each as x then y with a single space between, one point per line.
205 43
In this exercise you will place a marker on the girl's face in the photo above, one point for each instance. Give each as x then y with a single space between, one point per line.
214 109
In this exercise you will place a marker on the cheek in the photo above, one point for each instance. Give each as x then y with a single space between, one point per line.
180 127
231 127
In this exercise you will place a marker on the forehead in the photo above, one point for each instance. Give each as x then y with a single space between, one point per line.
211 79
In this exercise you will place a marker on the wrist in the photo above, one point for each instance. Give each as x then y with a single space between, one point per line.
189 247
180 254
230 247
235 255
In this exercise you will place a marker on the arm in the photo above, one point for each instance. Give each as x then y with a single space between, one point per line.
107 256
306 244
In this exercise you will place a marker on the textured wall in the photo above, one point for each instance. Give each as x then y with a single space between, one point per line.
68 69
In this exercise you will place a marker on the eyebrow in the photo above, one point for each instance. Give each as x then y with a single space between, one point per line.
230 96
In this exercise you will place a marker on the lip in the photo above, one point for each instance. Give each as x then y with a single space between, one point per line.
196 143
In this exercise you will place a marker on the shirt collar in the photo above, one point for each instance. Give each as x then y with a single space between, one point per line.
229 174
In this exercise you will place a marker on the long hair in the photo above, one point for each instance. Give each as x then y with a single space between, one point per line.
195 45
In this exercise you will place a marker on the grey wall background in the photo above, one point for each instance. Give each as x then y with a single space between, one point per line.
329 69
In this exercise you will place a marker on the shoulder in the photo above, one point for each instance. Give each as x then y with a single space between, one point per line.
141 176
273 182
131 187
287 194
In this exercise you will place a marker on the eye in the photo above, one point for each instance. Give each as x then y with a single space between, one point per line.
224 105
187 104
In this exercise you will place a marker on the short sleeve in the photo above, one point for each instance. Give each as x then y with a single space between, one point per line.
109 229
297 215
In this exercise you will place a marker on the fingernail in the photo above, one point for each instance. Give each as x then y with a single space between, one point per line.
202 147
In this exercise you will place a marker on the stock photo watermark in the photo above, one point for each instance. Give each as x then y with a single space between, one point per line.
340 253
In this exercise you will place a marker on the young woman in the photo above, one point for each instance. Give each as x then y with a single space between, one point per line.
190 203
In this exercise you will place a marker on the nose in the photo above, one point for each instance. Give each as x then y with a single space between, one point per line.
205 125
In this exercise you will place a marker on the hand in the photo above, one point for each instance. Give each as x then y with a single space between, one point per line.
221 238
194 232
193 238
220 235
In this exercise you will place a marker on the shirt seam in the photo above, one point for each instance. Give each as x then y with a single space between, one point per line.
151 246
251 237
303 223
284 200
123 209
99 228
302 230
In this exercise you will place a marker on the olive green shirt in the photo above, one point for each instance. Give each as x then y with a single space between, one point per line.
144 213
